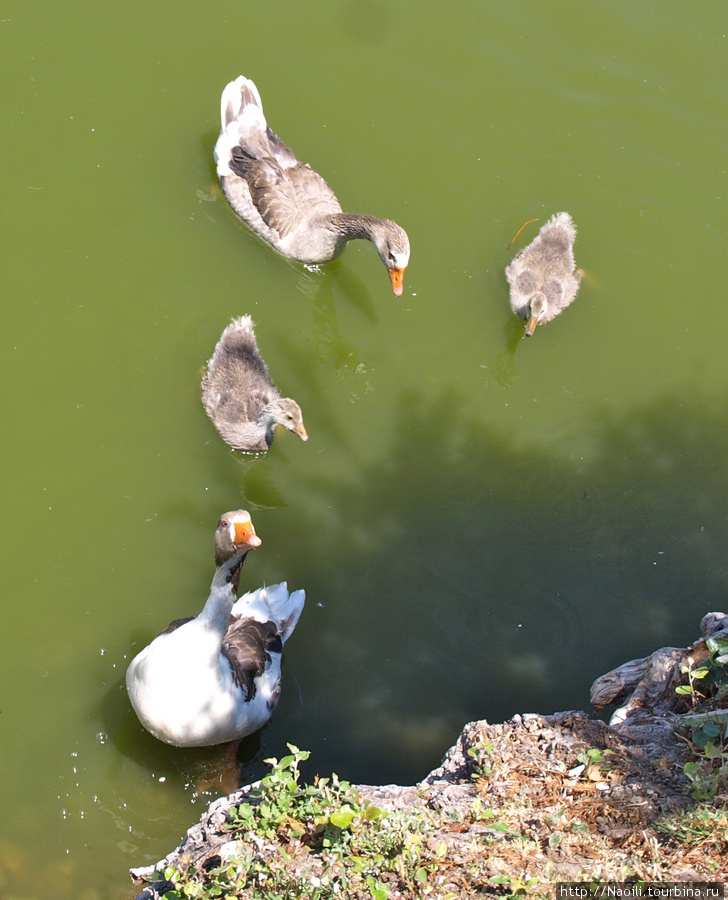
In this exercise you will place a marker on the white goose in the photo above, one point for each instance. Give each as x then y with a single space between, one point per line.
284 200
542 277
216 677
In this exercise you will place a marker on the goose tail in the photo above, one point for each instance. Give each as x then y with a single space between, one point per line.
564 223
273 603
242 120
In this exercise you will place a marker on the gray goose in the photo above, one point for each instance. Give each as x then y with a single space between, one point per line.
542 276
216 677
284 200
239 395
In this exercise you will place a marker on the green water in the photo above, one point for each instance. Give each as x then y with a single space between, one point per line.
482 524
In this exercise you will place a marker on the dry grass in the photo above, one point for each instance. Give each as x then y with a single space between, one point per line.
566 817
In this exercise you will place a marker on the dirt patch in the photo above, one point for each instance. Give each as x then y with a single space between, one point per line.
569 813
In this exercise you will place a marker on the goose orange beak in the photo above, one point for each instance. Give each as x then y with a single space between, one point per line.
301 432
245 535
396 276
531 325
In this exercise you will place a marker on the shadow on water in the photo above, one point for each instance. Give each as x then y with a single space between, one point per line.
461 578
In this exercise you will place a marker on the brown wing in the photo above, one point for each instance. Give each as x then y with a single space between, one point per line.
283 194
247 647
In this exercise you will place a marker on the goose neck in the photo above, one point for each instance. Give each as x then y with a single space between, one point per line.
223 593
351 225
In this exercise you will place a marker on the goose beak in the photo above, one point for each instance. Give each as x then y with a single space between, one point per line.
396 276
245 535
531 325
301 432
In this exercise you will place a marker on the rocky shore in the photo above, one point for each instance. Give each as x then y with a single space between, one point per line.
537 798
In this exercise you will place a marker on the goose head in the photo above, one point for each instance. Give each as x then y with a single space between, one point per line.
393 248
544 304
284 412
234 537
537 306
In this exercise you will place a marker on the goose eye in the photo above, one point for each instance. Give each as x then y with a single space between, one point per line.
224 523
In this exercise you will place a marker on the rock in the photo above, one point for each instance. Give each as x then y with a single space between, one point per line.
644 689
515 764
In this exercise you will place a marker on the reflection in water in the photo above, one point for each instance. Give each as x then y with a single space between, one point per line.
505 366
258 486
140 780
330 345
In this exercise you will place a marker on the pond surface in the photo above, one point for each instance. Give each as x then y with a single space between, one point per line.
483 524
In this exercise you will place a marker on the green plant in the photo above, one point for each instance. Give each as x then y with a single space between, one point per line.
482 755
700 826
706 687
591 757
707 682
281 807
517 884
595 762
314 842
708 772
